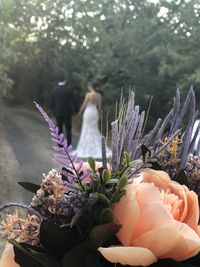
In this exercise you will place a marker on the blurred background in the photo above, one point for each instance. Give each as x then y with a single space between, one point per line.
147 46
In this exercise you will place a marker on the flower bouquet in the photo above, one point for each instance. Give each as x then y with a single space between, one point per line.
140 208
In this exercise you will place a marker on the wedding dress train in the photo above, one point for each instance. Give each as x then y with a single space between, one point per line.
90 138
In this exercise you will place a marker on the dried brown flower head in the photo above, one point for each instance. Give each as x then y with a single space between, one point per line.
21 229
50 200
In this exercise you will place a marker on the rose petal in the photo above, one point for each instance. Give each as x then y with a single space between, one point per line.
179 190
159 178
153 216
186 231
191 238
192 217
198 230
7 259
162 241
127 213
133 256
147 193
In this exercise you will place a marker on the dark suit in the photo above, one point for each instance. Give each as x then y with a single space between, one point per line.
62 105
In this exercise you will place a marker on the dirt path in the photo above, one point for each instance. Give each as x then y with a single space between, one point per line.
25 153
9 171
28 137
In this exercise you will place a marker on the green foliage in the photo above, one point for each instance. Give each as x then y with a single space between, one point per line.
27 255
122 182
57 240
117 195
106 188
81 256
61 248
101 233
33 188
5 82
103 199
92 164
107 216
182 178
149 47
106 175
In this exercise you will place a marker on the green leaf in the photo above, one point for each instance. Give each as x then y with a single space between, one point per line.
102 233
57 240
93 198
32 247
106 175
33 188
117 196
113 181
146 153
107 216
95 212
101 188
127 158
81 256
92 164
155 165
102 198
25 256
122 182
182 178
91 260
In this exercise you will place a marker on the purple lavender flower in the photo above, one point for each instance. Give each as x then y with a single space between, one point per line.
127 130
64 155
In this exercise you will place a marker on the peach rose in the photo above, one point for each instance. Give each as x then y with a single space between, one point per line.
158 218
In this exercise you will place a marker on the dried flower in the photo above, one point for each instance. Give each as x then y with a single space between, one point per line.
193 173
23 230
56 200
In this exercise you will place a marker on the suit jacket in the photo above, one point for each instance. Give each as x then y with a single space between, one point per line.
62 101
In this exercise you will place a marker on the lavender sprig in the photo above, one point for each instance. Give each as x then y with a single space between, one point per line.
127 133
68 160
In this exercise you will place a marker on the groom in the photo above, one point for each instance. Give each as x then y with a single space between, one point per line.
62 106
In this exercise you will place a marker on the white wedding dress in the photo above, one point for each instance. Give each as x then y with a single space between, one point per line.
197 141
90 138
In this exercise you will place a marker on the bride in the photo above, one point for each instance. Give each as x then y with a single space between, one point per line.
90 138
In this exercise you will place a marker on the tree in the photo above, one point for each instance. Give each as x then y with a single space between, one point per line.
149 47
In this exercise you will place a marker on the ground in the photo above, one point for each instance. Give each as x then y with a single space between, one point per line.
25 153
9 174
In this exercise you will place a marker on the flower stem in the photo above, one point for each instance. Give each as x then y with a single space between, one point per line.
77 174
